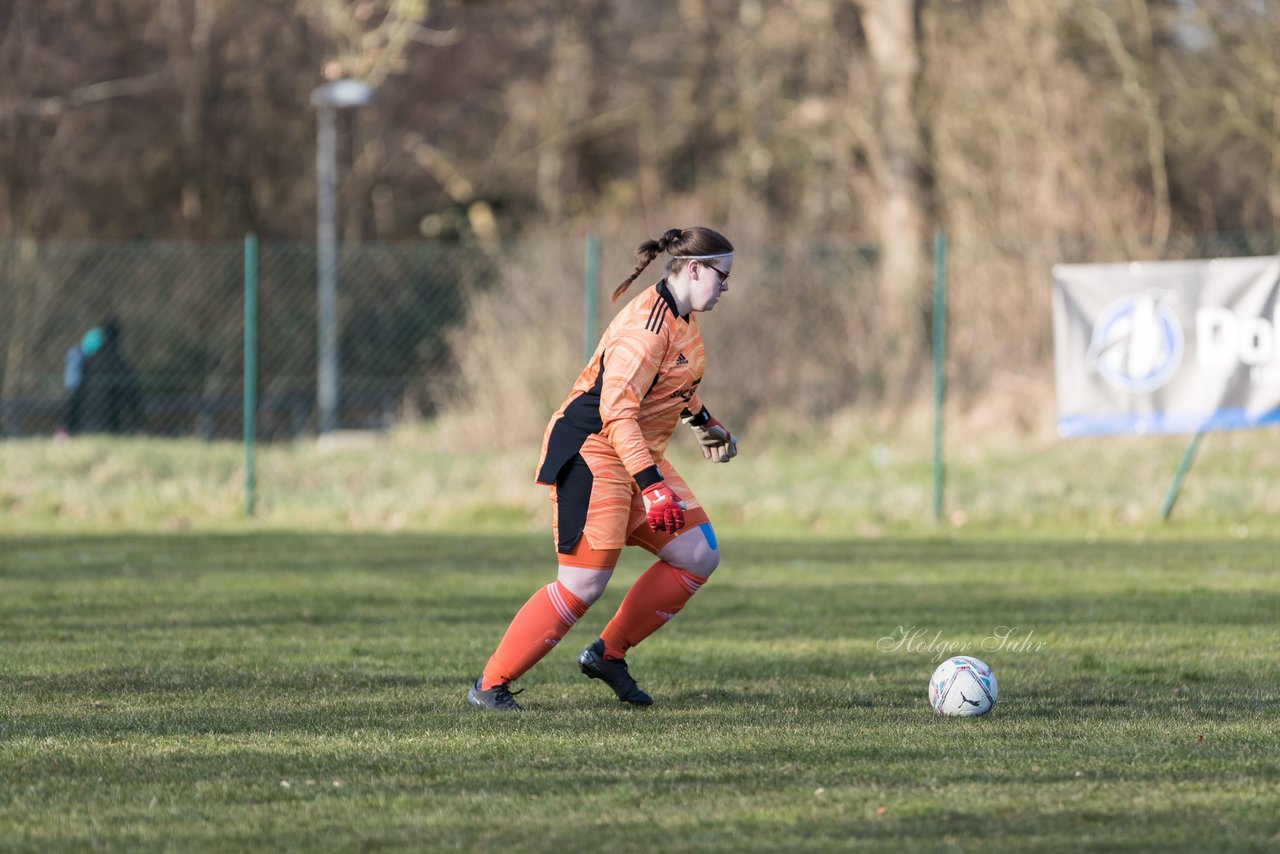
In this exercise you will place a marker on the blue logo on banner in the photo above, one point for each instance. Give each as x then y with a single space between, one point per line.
1137 343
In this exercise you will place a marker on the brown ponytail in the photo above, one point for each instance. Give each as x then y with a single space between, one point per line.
679 242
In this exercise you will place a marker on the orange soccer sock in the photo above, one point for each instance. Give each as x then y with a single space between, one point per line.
656 597
537 627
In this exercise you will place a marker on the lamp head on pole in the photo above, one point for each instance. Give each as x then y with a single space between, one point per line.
341 94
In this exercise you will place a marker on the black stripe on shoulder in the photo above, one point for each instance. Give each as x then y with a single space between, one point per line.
653 311
655 320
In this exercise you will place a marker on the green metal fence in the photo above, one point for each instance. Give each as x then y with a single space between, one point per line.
801 336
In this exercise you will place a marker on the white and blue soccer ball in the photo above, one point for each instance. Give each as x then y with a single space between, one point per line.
963 686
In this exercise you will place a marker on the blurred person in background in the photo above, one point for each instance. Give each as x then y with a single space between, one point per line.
108 398
72 380
611 485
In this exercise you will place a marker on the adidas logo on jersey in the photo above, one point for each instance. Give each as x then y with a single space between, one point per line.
681 360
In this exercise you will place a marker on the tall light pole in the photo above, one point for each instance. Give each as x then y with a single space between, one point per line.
327 100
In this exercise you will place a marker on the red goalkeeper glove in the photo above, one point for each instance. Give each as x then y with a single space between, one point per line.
718 444
663 510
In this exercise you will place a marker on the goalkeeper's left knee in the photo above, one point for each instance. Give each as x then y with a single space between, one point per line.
693 551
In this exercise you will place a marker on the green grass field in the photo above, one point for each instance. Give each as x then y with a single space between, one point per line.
276 690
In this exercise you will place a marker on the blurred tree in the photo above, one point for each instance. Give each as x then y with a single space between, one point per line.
900 160
1059 121
190 118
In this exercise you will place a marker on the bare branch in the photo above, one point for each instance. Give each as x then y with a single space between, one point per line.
94 93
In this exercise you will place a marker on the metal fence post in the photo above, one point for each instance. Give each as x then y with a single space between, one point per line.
939 366
1171 497
250 373
591 298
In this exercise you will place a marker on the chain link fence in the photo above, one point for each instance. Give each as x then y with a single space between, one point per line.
148 338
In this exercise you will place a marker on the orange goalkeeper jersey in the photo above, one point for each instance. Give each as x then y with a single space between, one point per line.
628 400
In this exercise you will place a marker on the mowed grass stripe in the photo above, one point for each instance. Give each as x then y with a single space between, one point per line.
306 691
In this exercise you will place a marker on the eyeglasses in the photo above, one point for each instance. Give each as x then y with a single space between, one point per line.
724 277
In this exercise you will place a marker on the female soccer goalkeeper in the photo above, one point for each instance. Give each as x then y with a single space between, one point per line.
610 483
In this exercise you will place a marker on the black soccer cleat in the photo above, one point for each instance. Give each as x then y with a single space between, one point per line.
612 673
496 699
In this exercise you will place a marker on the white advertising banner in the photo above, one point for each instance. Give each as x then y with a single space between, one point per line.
1166 346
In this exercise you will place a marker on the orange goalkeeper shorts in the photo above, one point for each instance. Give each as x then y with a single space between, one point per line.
601 505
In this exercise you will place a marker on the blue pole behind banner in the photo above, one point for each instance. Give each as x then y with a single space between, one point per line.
1176 487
